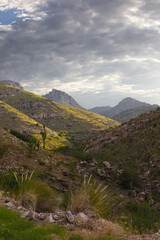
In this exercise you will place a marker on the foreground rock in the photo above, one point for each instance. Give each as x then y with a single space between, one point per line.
88 224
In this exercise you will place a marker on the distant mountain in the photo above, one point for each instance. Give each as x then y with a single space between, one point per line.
125 110
11 83
62 98
100 110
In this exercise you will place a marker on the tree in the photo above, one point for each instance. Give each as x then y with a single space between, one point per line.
44 135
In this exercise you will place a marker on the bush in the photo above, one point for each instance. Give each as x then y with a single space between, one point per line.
8 182
142 216
3 149
31 141
129 179
31 192
94 196
47 198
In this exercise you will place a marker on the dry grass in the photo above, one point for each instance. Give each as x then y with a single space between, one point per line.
80 201
93 196
29 200
101 229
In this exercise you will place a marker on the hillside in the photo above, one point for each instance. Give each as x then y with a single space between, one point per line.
51 166
11 83
12 119
125 110
62 98
133 152
116 176
100 110
55 116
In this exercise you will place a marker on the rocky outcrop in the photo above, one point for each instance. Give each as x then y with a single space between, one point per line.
62 98
11 83
86 223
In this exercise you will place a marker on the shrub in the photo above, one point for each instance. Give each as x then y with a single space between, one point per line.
31 141
31 192
3 149
129 179
142 216
8 182
47 198
76 237
94 196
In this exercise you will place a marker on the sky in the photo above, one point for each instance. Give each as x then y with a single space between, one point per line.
98 51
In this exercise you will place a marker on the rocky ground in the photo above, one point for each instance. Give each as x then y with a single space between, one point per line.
80 221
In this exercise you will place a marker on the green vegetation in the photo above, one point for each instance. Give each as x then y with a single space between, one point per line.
141 216
18 114
95 119
44 135
75 121
129 179
30 191
31 141
94 196
3 149
12 227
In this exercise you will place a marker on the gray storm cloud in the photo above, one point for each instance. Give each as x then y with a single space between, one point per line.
99 51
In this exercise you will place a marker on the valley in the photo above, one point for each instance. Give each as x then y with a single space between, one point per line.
94 179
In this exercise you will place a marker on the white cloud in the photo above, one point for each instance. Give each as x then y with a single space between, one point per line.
27 5
5 27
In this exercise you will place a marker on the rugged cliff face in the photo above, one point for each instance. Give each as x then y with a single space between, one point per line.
62 98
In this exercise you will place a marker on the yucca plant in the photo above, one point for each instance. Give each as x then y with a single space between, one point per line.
23 180
94 196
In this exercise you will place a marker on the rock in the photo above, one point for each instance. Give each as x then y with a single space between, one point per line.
55 217
28 215
81 219
10 205
83 163
151 202
141 199
107 165
101 172
95 162
50 219
70 217
133 193
41 216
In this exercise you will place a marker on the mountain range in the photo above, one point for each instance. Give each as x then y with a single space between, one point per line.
82 150
55 116
125 110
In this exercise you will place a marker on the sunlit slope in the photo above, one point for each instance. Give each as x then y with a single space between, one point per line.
11 118
54 115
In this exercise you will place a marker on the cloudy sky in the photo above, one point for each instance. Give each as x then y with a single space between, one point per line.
98 51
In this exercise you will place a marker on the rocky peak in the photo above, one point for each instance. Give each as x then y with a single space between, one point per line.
62 98
11 83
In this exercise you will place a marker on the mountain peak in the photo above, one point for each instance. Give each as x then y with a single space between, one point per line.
62 98
11 83
126 109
